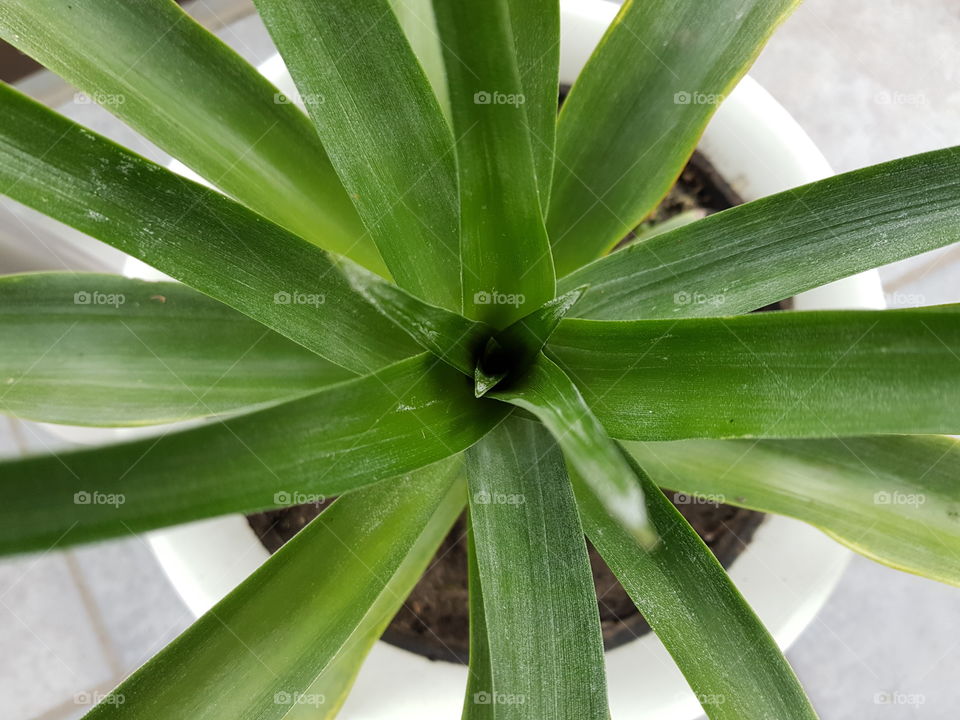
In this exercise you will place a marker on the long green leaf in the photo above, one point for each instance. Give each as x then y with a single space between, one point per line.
894 499
638 109
91 349
787 374
649 229
384 131
770 249
536 36
723 650
480 677
405 417
548 393
419 24
191 233
255 655
337 678
448 335
154 67
546 653
507 263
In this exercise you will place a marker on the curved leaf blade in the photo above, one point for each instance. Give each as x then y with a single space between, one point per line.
338 677
448 335
536 35
892 499
535 576
728 657
480 677
759 253
190 232
384 131
419 24
551 396
110 351
405 417
258 651
633 117
779 374
221 118
503 240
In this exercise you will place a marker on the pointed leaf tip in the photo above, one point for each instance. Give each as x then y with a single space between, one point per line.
485 381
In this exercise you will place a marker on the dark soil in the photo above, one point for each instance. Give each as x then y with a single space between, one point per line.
434 621
699 187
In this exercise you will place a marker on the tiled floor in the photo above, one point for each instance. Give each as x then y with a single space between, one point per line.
74 623
870 80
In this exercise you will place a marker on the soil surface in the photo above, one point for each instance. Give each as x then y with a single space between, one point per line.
699 187
434 620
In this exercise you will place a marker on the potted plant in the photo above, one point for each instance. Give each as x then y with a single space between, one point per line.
515 366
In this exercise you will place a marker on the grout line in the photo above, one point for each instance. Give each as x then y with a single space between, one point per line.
94 615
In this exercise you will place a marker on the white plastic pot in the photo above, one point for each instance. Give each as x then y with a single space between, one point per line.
785 573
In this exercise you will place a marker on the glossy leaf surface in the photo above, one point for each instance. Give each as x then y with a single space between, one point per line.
256 654
728 657
894 499
780 374
552 397
190 232
383 128
91 349
158 70
636 112
770 249
540 609
507 264
410 415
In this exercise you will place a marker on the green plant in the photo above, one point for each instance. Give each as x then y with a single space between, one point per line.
510 351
